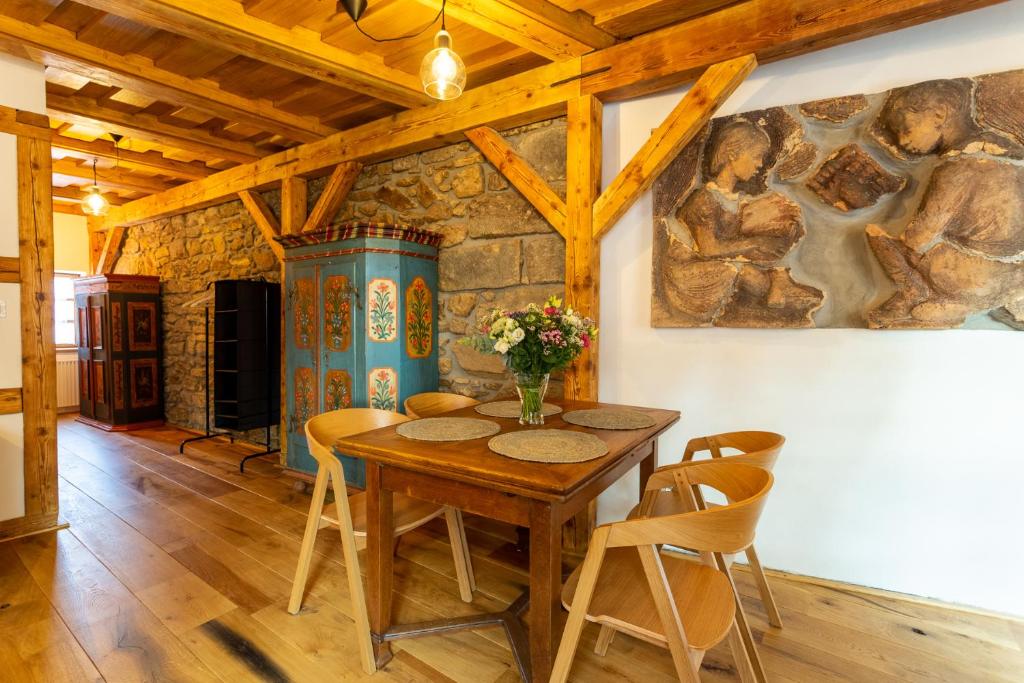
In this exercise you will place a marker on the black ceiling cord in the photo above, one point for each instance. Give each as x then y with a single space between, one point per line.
355 9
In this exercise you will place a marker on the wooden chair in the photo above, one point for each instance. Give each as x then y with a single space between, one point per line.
348 513
626 582
433 403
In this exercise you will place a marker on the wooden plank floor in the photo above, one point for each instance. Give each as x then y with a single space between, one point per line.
177 568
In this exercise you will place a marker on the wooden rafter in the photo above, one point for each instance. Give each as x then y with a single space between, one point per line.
110 178
76 109
537 25
521 175
686 120
265 220
58 48
768 29
633 17
333 196
70 209
152 160
74 194
298 49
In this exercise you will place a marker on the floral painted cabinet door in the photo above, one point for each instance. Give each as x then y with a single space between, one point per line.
339 309
302 355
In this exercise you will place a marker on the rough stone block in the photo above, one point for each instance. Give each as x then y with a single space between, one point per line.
480 265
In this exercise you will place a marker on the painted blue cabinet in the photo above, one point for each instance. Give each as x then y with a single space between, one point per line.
360 325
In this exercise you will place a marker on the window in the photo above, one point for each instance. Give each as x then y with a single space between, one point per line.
64 308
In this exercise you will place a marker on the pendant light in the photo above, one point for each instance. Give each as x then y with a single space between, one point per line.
442 71
94 203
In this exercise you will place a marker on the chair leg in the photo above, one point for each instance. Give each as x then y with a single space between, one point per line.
316 507
355 581
774 618
460 553
604 639
739 654
743 626
580 604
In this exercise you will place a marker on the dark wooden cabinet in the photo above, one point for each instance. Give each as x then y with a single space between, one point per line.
120 365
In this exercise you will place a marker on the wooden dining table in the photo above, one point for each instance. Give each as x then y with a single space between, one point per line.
469 476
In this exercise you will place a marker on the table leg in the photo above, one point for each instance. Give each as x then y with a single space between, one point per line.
380 560
647 467
545 588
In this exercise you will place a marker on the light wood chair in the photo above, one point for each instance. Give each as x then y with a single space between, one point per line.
348 513
433 403
627 583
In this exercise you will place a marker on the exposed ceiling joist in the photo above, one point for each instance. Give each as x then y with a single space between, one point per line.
55 47
77 195
655 61
148 127
115 179
537 25
628 18
151 161
227 25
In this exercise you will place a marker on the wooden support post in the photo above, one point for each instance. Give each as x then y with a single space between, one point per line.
335 191
521 175
111 247
294 195
582 255
97 240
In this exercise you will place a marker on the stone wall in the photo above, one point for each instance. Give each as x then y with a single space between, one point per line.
497 252
188 252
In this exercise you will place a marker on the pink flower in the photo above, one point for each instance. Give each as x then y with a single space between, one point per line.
586 340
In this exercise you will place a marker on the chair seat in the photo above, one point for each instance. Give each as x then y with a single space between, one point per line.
667 503
409 513
623 599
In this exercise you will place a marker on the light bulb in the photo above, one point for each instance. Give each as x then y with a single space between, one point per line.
94 203
443 73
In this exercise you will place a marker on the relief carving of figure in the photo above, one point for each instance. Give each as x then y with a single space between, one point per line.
728 273
962 254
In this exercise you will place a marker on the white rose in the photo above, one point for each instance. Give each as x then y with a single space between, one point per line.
502 346
518 335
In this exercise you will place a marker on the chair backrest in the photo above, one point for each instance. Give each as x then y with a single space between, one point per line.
760 449
435 402
324 429
722 529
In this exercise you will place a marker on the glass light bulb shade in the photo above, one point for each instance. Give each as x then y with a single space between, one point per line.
443 72
94 203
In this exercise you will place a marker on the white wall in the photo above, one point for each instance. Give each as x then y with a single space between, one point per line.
904 457
23 87
70 243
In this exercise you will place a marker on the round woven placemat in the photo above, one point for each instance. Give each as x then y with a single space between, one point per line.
447 429
609 418
512 409
548 445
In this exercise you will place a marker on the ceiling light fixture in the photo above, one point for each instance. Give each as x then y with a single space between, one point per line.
94 203
442 71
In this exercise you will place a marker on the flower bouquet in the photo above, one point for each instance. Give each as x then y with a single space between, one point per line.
534 342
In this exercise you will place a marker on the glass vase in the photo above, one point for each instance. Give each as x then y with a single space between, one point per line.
531 388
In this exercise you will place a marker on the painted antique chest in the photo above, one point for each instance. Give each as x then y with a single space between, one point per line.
360 325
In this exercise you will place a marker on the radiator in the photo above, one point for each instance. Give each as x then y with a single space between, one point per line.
67 382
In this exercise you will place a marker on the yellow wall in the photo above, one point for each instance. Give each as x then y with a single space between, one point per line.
70 243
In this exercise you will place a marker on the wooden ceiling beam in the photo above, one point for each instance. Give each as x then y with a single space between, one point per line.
684 122
768 29
335 191
628 18
89 112
76 195
71 209
298 49
151 161
521 175
58 48
537 25
658 60
110 178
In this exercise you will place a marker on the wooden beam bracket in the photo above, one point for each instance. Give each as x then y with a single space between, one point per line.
335 191
264 218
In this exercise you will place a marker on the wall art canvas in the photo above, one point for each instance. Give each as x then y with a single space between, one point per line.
897 210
